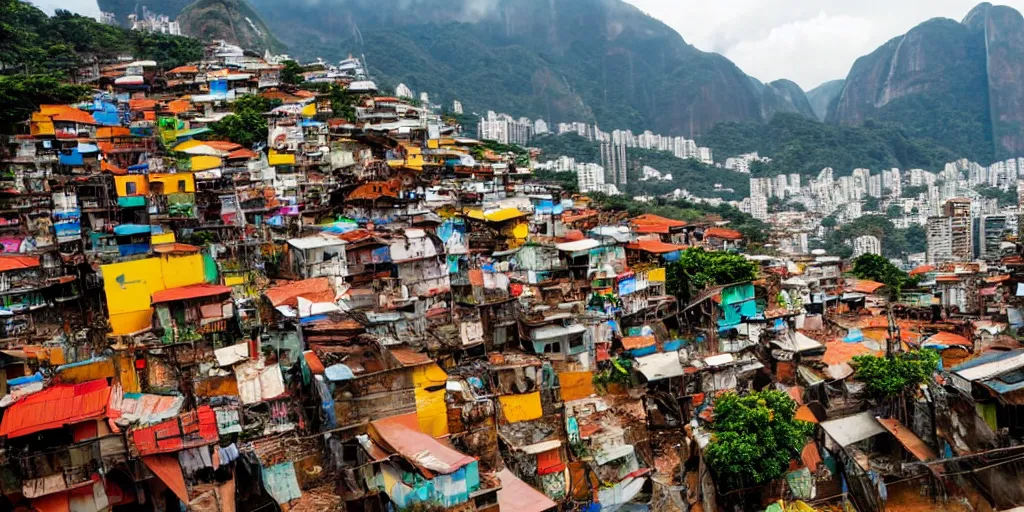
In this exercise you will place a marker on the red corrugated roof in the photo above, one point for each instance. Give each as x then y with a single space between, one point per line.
138 104
196 291
223 145
651 228
243 153
655 246
409 357
517 496
17 262
839 352
175 248
723 234
183 69
810 456
55 407
314 290
949 339
402 435
650 218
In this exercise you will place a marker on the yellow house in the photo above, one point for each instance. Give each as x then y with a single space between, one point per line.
275 158
173 183
131 185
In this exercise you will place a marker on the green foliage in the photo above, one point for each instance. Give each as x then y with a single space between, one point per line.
914 191
246 124
343 102
894 211
871 204
806 146
878 268
754 437
20 95
895 242
829 222
698 269
1005 197
886 377
291 73
37 43
566 180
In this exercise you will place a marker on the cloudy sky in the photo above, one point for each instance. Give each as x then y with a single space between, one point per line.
809 42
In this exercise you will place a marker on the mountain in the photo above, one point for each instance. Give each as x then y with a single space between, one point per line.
784 96
599 61
801 145
958 83
234 21
821 96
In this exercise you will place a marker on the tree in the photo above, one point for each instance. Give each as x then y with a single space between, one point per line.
701 269
914 191
894 211
887 377
291 73
871 204
754 437
246 124
21 95
829 222
877 268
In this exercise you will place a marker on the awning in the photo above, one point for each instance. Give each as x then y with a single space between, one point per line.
402 435
852 429
555 331
660 366
579 245
196 291
166 467
906 437
516 495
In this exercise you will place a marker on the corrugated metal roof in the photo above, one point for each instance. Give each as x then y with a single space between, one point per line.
906 437
852 429
196 291
314 290
402 435
660 366
517 496
55 407
990 365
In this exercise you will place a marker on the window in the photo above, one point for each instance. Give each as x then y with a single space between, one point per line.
181 185
130 188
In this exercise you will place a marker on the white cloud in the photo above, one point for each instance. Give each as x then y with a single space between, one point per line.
807 42
83 7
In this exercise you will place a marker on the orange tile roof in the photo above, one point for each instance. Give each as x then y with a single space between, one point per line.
651 228
923 269
55 407
723 233
997 279
17 262
305 94
112 169
839 352
175 248
650 218
803 413
108 132
655 246
583 215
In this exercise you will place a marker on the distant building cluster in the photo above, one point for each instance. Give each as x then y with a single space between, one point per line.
150 21
742 163
680 147
506 129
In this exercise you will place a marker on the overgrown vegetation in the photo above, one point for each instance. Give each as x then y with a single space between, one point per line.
895 242
878 268
246 124
37 43
1005 197
753 438
698 269
806 146
20 95
887 377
